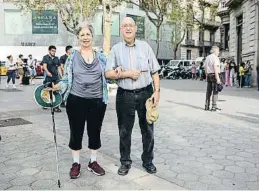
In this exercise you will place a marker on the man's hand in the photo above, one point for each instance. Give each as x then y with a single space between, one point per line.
118 71
135 74
156 97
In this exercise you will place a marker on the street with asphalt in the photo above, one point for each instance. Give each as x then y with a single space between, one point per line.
194 149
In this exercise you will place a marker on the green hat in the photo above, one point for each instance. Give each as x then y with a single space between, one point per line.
42 97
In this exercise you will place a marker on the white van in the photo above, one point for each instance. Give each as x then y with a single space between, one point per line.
187 64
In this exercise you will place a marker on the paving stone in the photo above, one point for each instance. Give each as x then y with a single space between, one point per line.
4 186
188 177
234 169
46 175
32 164
205 160
12 169
181 169
227 144
218 147
106 184
246 177
23 180
254 171
152 182
27 172
167 174
193 164
164 151
235 158
254 151
16 162
198 154
224 162
209 180
254 160
214 167
223 174
163 166
182 159
245 164
216 156
234 184
4 158
181 152
209 151
42 184
218 187
245 154
20 188
168 156
252 185
196 186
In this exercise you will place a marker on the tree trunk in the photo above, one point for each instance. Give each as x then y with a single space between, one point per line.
203 44
106 27
157 39
175 52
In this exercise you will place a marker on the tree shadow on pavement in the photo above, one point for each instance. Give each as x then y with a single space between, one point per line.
249 114
241 118
188 105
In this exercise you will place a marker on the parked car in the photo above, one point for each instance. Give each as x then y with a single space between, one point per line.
187 64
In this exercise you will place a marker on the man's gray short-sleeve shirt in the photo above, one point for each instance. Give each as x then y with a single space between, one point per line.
138 57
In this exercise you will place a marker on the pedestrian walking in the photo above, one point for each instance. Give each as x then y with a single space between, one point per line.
212 68
222 70
11 71
63 58
52 68
194 71
248 74
139 70
233 73
227 74
32 68
85 90
242 75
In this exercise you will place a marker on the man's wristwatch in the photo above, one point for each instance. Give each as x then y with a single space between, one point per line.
157 90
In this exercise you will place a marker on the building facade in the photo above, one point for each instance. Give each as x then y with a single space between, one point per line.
196 38
31 31
239 31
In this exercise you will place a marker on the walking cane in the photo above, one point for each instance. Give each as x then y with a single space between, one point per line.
54 132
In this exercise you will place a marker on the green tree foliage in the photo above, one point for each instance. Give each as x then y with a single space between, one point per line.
156 11
181 18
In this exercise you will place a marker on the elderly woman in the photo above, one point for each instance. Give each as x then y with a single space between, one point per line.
85 90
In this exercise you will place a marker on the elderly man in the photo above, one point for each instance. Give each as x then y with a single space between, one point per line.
139 68
212 69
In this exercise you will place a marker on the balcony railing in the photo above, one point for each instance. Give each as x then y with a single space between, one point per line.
210 43
222 6
189 42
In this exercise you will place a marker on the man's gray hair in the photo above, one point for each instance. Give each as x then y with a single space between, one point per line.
213 49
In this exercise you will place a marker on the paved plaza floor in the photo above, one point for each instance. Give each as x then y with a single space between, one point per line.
194 149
